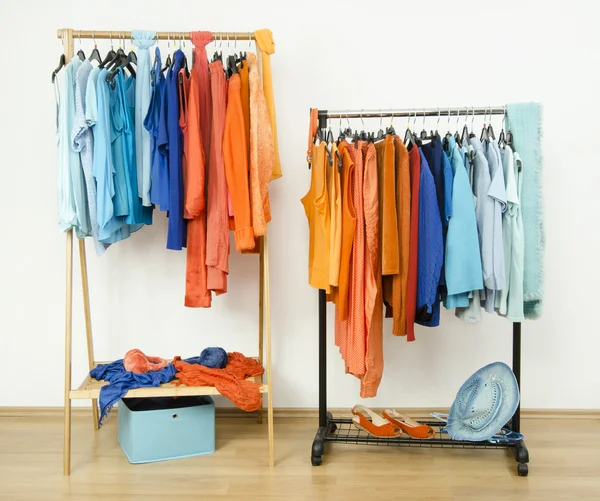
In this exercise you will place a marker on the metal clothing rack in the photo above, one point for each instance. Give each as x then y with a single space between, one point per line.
341 430
90 388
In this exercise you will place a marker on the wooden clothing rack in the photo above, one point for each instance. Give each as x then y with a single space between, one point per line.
90 388
341 430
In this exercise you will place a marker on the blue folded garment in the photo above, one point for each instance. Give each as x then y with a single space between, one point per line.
121 381
215 358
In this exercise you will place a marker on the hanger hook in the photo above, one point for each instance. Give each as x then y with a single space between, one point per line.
457 116
423 117
466 114
249 39
439 115
94 39
503 116
448 115
472 118
391 117
380 118
227 40
235 41
111 41
361 117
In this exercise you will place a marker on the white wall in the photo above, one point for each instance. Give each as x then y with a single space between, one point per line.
329 55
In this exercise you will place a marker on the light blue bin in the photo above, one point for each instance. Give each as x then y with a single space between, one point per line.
157 429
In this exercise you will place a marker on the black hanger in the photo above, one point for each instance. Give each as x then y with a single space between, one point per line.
490 131
509 138
61 63
81 55
109 57
95 56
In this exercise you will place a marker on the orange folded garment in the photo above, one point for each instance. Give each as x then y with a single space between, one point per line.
230 381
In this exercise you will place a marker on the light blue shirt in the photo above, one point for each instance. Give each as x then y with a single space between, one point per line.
110 226
143 40
497 192
83 142
463 257
77 198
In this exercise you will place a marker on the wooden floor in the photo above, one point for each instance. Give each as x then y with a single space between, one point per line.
565 465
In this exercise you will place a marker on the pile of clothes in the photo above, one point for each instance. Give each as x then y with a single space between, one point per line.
228 372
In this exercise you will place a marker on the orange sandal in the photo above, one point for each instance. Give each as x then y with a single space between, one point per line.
377 427
412 428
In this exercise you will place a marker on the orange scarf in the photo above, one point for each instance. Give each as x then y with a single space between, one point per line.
230 381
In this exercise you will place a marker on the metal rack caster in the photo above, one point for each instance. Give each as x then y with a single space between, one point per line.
318 460
522 469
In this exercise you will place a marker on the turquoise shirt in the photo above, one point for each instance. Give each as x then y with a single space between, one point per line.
463 256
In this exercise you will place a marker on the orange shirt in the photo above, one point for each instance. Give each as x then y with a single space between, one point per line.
395 287
235 154
340 296
335 208
388 222
217 245
316 208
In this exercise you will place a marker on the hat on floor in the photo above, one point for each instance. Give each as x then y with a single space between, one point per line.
484 403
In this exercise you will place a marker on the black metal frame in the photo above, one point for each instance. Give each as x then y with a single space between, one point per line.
341 430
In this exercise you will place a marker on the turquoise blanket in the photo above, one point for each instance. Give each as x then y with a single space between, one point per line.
524 120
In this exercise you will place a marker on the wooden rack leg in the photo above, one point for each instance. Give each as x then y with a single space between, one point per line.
88 322
268 368
261 313
68 325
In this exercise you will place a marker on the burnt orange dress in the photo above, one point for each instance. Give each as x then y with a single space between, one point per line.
350 335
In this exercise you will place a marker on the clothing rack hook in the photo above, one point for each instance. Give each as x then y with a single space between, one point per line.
423 117
503 116
391 117
438 120
112 47
448 116
380 118
249 39
94 39
457 117
235 41
472 118
466 114
168 40
361 117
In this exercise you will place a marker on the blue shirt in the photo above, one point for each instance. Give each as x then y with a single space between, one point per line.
162 139
158 162
110 226
430 250
176 234
463 256
124 153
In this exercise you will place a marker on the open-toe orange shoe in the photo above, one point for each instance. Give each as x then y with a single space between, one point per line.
377 426
412 428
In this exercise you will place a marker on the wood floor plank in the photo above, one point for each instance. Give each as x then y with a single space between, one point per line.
565 466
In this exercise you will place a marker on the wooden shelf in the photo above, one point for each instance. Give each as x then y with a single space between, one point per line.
90 388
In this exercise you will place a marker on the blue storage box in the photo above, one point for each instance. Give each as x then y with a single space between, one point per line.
157 429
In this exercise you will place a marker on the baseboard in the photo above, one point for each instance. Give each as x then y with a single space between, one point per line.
233 412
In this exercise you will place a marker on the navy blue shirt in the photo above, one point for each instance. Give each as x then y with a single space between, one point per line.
177 234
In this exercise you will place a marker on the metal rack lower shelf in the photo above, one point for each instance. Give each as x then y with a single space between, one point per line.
342 430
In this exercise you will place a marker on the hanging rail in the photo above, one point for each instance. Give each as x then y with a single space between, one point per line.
160 35
415 112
